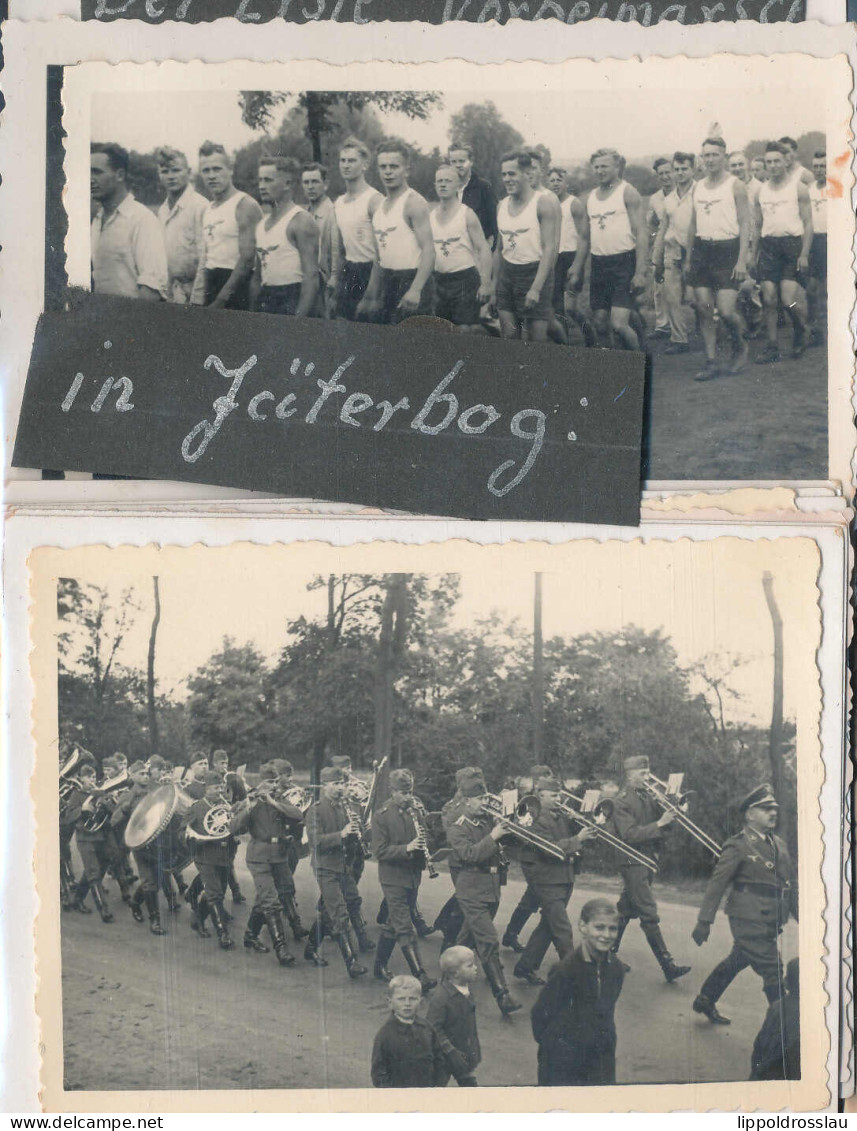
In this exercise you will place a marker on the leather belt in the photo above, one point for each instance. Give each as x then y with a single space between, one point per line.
761 889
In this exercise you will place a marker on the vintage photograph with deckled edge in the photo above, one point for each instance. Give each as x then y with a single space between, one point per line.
700 428
324 689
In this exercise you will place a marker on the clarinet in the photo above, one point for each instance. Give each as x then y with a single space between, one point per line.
420 817
355 818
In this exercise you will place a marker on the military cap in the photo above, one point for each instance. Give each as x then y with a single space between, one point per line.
340 762
282 766
467 772
219 755
549 783
540 772
268 772
762 796
636 762
473 785
331 775
137 767
211 777
198 756
156 762
401 779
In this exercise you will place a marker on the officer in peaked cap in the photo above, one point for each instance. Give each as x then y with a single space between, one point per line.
756 867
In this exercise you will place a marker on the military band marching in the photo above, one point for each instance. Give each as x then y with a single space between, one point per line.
149 823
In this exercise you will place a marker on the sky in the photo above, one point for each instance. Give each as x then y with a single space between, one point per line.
572 123
707 605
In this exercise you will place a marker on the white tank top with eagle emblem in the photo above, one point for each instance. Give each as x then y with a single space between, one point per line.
453 250
220 231
568 231
355 225
780 212
818 200
716 214
398 249
279 259
609 223
522 234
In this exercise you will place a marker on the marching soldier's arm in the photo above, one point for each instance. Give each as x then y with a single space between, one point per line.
383 846
468 851
74 807
240 822
628 828
724 873
319 840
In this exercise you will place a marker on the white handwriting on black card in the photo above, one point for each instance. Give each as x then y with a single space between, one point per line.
440 411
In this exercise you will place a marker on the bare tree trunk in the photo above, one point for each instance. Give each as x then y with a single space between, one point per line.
775 742
150 673
538 675
391 643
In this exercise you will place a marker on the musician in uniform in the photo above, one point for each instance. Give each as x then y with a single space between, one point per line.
355 863
81 811
640 822
149 860
234 790
480 872
551 880
212 857
450 919
70 898
757 868
273 825
528 904
334 839
126 802
401 856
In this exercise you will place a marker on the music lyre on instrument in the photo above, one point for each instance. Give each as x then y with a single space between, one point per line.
668 795
592 811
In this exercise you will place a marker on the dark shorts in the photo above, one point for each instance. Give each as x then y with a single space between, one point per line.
712 263
455 296
215 280
610 281
279 300
394 286
352 286
778 258
818 257
513 283
563 265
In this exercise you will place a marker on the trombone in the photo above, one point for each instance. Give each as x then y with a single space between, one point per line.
668 795
527 810
593 814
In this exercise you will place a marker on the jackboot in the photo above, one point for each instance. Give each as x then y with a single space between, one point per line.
100 902
235 888
200 908
494 976
517 922
349 956
299 931
80 890
251 935
278 937
386 946
420 925
137 903
154 913
180 884
312 950
412 957
655 939
364 943
66 886
217 918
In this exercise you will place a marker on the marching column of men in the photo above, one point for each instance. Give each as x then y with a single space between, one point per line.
754 867
732 240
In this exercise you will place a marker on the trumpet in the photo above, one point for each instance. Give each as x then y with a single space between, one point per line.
670 798
517 823
420 819
595 817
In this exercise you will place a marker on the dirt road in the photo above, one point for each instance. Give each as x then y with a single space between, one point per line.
143 1012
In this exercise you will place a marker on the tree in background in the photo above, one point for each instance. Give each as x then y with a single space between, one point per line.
483 128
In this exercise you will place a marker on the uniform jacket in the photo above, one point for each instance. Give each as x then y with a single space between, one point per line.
234 788
407 1056
126 802
474 853
392 829
324 823
576 1006
451 811
272 832
764 866
75 815
207 851
452 1014
541 868
636 816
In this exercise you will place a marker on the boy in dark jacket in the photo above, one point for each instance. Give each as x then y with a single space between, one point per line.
573 1016
407 1051
452 1015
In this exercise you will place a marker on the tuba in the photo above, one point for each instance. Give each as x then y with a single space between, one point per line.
668 795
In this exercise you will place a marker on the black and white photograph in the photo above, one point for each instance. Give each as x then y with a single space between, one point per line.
571 212
486 825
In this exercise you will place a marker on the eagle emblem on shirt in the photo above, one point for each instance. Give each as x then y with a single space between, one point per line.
446 244
264 252
510 236
603 217
709 204
210 228
383 234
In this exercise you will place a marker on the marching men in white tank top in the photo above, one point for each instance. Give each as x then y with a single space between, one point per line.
816 291
783 217
229 233
460 249
718 247
566 302
404 248
614 232
353 245
285 278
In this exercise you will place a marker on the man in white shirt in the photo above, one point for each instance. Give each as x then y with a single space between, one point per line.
285 276
662 168
320 207
181 219
816 292
669 254
128 254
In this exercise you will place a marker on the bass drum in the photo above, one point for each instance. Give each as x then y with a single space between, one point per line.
156 827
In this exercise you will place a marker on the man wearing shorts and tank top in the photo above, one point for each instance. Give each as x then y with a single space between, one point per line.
670 251
614 231
662 168
527 245
566 302
718 247
401 282
462 259
816 291
285 279
229 233
352 243
783 217
793 165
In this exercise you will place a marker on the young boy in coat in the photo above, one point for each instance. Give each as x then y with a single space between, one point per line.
407 1051
452 1015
